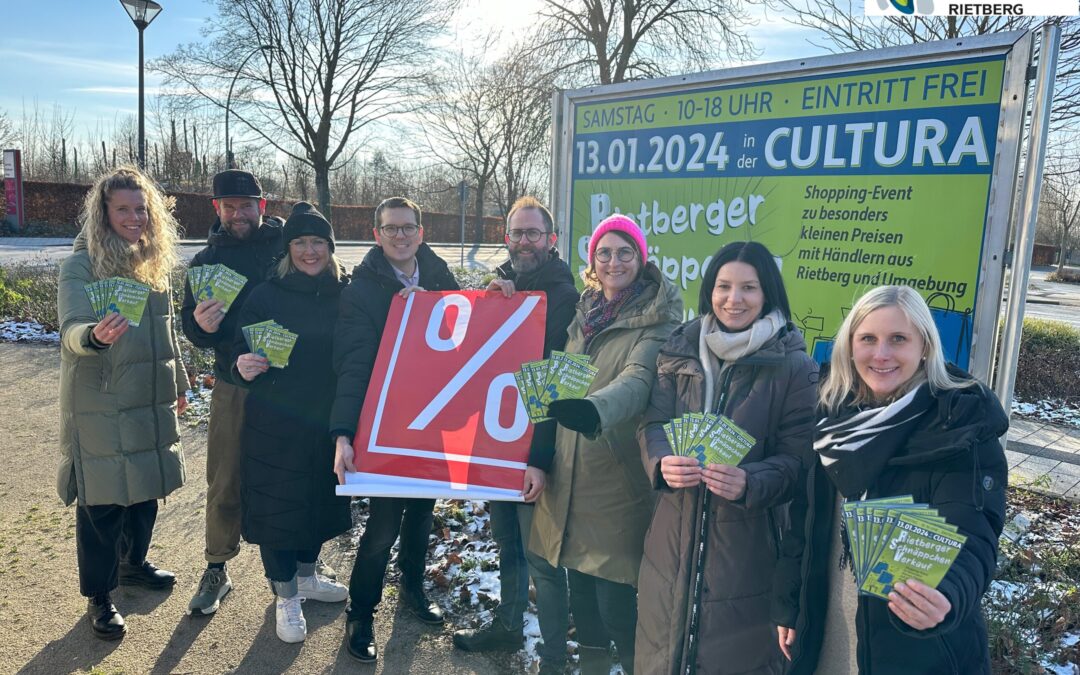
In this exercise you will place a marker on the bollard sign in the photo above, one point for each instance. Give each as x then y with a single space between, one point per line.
883 167
442 417
13 189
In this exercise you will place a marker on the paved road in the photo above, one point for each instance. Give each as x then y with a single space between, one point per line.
486 256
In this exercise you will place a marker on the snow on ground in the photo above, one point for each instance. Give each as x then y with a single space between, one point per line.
1054 411
27 331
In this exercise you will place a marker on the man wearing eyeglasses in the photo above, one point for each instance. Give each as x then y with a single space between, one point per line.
399 263
534 265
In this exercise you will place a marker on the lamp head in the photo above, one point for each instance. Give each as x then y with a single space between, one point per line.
142 12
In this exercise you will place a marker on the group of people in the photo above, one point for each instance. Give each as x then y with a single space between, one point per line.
684 568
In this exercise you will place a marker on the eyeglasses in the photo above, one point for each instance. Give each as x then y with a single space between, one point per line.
395 230
532 235
624 254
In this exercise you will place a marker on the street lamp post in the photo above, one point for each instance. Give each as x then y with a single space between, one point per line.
142 12
229 159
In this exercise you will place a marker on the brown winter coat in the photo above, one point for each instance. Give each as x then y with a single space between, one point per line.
770 395
593 514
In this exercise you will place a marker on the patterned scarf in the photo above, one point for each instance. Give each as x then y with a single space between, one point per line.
855 445
603 311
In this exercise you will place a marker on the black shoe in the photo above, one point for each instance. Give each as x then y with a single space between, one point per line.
414 599
146 575
360 640
548 669
104 619
492 637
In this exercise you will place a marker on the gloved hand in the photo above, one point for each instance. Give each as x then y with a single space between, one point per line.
576 414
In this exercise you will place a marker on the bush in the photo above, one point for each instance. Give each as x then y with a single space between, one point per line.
1066 276
1049 361
28 293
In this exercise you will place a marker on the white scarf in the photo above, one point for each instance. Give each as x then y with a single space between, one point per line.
714 343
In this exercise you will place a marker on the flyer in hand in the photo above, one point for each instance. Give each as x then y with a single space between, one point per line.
215 282
126 297
711 439
272 340
894 539
561 376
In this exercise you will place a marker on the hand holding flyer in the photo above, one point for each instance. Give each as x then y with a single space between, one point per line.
894 540
711 439
215 282
126 297
562 376
272 340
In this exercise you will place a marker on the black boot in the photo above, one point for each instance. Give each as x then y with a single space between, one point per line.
492 637
104 619
360 639
414 599
146 575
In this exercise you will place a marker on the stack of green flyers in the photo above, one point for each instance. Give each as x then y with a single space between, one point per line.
561 376
272 340
126 297
215 282
893 540
711 439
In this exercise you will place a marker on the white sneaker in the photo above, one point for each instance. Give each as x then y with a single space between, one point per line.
291 625
318 587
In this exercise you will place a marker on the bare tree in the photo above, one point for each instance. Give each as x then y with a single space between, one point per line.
607 41
7 130
461 123
334 67
523 108
1059 209
844 27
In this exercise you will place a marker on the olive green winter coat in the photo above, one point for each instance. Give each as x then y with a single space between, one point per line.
593 514
119 438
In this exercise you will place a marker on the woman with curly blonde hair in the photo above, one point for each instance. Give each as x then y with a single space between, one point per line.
121 388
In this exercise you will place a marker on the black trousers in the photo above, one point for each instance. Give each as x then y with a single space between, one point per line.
105 535
281 565
389 516
604 608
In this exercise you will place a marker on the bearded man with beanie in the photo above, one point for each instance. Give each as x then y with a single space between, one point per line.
399 263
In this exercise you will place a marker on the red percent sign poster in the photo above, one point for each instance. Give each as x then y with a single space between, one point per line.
442 417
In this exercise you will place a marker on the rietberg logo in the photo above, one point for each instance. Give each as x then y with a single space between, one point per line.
967 8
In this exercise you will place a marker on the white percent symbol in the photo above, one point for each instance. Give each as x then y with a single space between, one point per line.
498 384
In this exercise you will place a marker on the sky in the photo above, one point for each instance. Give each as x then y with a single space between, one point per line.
83 54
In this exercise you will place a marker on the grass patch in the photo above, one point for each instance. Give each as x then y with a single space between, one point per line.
1034 603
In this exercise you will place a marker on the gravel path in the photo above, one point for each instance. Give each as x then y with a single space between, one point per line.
44 613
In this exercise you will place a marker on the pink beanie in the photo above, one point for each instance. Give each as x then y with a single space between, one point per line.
623 224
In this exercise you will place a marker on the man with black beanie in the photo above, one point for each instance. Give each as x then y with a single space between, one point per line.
400 263
534 265
246 242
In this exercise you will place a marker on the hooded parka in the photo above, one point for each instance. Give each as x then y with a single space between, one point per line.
593 514
769 393
952 461
287 492
119 437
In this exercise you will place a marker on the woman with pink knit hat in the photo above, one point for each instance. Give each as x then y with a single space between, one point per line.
592 517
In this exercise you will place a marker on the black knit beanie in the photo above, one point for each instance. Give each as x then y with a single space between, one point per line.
305 220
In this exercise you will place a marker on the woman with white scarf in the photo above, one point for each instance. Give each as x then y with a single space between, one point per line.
706 576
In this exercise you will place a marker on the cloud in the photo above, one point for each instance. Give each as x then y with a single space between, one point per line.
98 66
118 91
